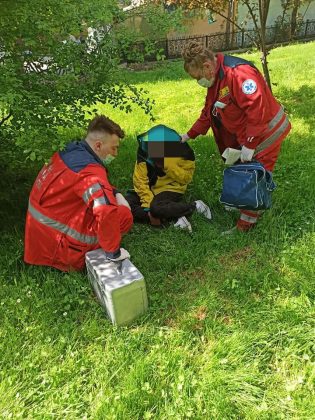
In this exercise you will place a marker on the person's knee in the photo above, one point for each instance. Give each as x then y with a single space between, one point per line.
127 223
126 219
132 200
156 210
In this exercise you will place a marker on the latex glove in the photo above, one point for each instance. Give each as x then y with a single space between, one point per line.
121 201
123 255
184 138
154 220
247 154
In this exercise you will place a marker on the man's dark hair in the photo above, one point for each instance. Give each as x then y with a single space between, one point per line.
102 123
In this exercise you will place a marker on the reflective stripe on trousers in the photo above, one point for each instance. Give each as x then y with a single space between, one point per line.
276 119
248 219
274 137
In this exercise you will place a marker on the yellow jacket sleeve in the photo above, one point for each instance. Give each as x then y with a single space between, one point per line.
141 184
181 170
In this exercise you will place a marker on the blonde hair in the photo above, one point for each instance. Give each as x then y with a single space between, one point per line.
195 54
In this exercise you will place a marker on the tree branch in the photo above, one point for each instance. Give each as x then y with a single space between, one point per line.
285 8
309 3
266 11
253 16
4 119
231 21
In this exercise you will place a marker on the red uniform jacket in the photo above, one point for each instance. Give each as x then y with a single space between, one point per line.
240 108
73 210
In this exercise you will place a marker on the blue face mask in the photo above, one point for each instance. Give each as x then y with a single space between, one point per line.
108 159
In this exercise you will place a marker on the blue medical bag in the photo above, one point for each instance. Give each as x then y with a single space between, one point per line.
247 186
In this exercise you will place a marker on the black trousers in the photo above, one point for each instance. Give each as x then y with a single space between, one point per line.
167 205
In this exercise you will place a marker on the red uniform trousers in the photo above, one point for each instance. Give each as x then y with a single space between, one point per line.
268 158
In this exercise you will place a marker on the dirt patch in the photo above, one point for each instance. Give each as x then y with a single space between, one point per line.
201 313
199 274
140 66
236 256
227 320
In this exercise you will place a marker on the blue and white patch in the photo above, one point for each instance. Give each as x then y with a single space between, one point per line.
249 87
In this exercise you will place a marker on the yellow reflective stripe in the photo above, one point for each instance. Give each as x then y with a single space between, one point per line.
90 191
61 227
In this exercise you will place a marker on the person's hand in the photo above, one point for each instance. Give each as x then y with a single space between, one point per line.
121 201
154 220
124 254
247 154
184 138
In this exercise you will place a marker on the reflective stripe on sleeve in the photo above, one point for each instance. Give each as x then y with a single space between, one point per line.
90 191
100 201
61 227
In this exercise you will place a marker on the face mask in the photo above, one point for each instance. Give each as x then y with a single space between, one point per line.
205 82
108 159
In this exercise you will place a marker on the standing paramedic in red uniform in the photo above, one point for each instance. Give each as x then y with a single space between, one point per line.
239 108
73 208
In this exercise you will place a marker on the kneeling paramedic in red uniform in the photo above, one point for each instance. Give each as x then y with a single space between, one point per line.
239 108
73 208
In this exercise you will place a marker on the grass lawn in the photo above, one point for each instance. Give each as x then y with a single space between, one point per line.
230 332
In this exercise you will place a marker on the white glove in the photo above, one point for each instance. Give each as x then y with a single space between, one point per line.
247 154
121 201
123 255
184 138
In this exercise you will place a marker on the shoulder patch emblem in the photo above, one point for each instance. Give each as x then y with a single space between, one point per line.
249 87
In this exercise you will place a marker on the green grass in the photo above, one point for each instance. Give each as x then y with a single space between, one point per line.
230 330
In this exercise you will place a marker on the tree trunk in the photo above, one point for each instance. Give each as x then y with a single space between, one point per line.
263 14
294 17
264 54
264 64
228 27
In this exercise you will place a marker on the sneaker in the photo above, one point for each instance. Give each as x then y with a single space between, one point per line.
230 231
203 209
183 223
230 208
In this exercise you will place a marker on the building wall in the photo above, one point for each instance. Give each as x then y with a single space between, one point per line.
275 10
191 26
201 26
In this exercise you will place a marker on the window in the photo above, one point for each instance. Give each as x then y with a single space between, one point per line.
211 17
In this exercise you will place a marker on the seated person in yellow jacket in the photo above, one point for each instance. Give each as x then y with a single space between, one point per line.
163 170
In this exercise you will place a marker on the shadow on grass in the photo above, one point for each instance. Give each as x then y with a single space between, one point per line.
299 103
15 186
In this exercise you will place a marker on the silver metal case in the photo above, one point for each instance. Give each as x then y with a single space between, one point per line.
119 287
